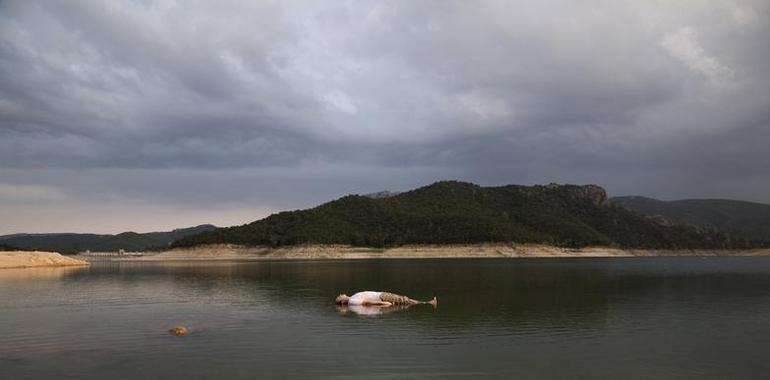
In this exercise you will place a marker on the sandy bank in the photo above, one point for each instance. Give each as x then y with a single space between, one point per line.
36 259
313 252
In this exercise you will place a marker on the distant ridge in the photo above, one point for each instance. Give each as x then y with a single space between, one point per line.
452 212
73 242
741 219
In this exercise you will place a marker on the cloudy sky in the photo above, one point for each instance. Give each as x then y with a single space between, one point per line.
150 115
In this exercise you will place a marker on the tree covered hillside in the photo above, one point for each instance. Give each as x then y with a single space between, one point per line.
70 243
460 213
740 219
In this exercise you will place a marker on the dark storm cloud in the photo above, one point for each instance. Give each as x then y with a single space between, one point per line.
282 104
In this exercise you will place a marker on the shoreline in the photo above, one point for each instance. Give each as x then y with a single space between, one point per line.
342 252
37 259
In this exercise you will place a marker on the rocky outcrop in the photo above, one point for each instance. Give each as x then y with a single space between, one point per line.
382 194
596 194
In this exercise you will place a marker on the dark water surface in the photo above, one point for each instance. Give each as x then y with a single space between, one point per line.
547 318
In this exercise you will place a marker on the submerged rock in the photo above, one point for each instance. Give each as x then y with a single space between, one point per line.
178 331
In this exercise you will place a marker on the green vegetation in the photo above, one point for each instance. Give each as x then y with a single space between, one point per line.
462 213
747 221
6 247
69 243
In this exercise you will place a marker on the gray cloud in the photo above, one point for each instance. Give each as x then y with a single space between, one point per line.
273 105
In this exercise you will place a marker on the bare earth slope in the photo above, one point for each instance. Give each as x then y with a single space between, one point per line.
34 259
315 252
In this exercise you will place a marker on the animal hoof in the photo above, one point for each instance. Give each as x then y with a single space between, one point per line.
178 330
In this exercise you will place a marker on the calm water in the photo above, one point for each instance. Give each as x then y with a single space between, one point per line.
573 318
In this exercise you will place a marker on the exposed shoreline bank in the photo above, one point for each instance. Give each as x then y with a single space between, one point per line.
321 252
37 259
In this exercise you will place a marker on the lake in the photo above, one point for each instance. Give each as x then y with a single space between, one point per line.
631 318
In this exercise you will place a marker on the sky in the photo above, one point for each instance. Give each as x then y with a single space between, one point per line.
154 115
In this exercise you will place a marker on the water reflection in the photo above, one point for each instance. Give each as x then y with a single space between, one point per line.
370 310
470 291
43 273
630 318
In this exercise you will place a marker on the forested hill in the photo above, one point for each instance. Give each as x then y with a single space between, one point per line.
747 220
461 213
74 243
6 247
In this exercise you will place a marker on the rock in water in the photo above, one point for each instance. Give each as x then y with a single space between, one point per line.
178 330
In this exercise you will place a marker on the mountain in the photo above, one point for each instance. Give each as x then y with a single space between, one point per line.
453 212
746 220
74 243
